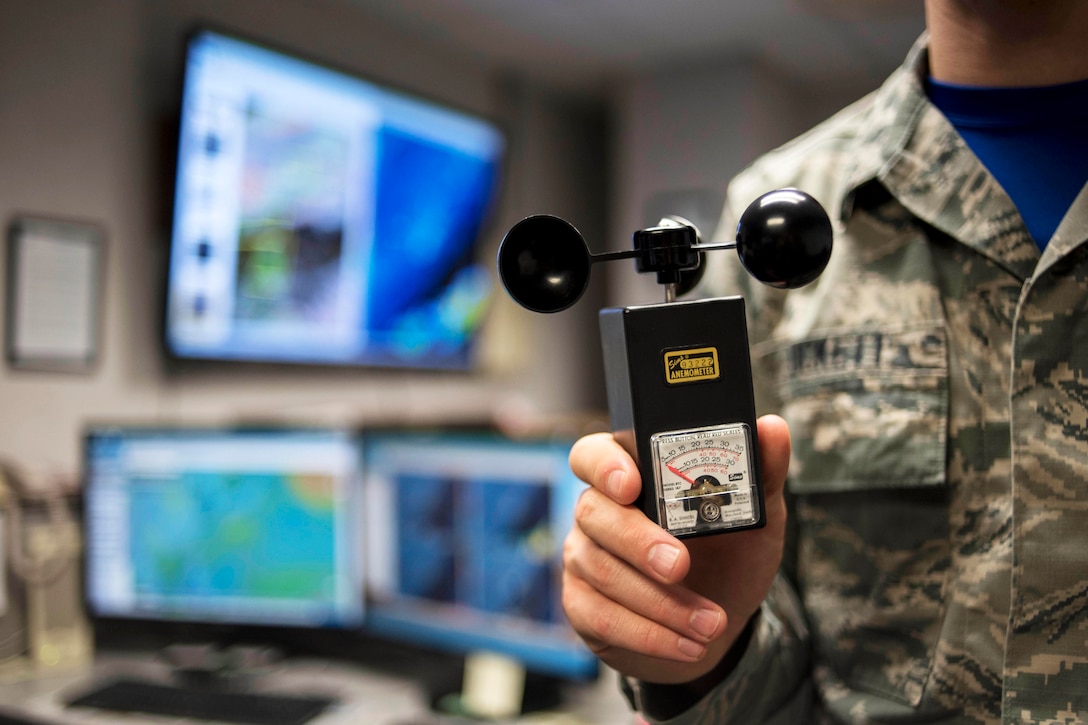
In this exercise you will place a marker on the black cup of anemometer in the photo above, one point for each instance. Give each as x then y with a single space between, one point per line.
679 374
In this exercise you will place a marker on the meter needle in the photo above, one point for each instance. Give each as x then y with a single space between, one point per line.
681 475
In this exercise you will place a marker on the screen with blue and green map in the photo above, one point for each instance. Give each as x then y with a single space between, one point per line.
220 535
225 527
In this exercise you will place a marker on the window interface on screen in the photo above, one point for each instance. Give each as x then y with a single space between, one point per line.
463 545
245 528
322 218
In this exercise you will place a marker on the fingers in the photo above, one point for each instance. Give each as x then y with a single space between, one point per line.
774 449
613 605
621 570
605 625
601 462
625 532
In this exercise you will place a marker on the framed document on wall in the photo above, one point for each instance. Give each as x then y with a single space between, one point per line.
54 271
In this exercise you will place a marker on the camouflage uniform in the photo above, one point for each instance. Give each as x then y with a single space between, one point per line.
935 380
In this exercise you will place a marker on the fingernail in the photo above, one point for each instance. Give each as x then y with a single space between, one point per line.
690 648
614 483
705 622
663 558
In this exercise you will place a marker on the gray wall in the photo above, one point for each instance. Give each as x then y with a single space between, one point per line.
87 95
682 133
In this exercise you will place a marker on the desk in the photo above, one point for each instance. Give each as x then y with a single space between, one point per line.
366 695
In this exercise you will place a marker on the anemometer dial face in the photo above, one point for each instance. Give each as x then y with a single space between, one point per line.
704 480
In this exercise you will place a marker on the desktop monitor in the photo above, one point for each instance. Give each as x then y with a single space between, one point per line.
236 528
464 533
320 218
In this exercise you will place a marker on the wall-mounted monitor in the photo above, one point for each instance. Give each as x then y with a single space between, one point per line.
223 528
321 218
464 536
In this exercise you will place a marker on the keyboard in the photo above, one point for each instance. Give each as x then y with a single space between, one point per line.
203 704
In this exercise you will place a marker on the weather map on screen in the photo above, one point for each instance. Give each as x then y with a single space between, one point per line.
213 534
253 528
320 218
463 540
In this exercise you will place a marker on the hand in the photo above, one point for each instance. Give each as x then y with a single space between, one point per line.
647 604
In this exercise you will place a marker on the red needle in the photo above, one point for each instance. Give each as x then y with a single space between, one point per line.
680 474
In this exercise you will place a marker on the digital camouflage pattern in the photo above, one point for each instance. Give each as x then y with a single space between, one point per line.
934 379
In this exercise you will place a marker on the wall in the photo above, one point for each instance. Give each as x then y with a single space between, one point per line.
87 95
683 133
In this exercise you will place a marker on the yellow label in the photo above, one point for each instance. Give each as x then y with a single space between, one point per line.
687 366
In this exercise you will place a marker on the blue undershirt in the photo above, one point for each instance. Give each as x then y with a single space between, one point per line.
1033 140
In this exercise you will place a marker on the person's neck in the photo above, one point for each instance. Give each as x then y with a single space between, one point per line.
1007 42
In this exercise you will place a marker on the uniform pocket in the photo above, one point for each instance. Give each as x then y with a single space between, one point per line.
867 409
868 412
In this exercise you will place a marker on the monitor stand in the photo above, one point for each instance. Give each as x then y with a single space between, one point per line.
494 687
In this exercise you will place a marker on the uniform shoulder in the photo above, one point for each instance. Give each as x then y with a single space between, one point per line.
808 161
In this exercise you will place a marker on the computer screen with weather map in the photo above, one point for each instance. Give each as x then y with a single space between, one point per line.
253 527
320 218
464 534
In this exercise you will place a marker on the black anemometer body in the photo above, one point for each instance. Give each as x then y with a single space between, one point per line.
678 373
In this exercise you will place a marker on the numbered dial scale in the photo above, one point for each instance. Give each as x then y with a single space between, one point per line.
703 478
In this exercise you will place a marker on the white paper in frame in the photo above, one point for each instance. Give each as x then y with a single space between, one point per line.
53 280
